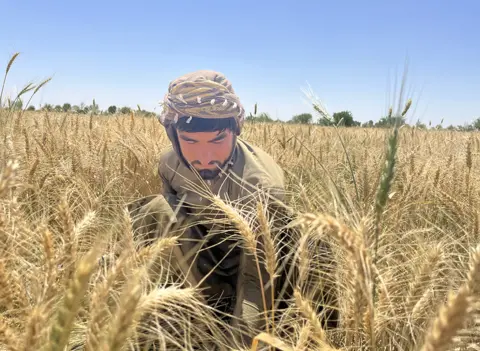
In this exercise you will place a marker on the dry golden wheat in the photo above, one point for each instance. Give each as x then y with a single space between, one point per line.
93 166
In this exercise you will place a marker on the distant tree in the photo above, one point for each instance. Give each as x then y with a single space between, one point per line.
368 124
325 122
112 109
420 125
31 108
261 118
82 109
466 127
303 118
476 124
125 110
58 108
390 121
93 108
66 107
344 118
47 107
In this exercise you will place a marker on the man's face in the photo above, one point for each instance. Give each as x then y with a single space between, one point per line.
207 152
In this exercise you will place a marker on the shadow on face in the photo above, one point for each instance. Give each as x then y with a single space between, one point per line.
207 152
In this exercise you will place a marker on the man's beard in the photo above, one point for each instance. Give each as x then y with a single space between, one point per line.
209 174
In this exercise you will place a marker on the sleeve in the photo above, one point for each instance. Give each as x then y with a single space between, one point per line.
168 192
164 173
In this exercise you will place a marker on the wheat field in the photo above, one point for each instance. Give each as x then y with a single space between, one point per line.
407 272
398 207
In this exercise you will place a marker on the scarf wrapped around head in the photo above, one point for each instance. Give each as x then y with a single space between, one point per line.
201 94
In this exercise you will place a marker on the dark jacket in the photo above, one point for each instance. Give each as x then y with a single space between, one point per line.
252 172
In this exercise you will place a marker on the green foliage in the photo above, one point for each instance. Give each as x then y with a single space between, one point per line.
420 125
66 107
476 124
344 118
47 107
390 121
125 110
18 104
112 109
94 108
303 118
31 108
466 127
79 109
261 118
58 108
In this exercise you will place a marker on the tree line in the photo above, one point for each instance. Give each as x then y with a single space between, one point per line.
345 119
341 118
85 109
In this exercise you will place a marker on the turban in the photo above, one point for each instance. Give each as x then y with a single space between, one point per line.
201 94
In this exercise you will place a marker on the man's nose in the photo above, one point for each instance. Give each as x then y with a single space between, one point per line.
205 157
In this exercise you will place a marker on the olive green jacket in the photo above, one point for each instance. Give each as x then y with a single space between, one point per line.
251 173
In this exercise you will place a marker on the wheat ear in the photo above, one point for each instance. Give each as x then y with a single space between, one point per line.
250 242
453 316
7 177
35 324
307 311
8 337
66 315
450 320
98 312
125 315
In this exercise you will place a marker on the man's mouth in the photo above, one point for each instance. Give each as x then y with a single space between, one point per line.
208 173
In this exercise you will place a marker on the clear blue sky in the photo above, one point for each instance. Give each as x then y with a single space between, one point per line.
126 53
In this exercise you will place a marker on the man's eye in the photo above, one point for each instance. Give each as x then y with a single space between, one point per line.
219 141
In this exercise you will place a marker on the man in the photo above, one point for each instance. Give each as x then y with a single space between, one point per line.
203 118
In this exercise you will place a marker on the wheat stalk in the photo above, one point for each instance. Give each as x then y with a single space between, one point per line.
270 253
9 66
250 240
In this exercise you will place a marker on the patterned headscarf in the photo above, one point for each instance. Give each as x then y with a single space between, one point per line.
201 94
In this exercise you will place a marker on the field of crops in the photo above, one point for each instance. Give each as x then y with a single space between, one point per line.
406 250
